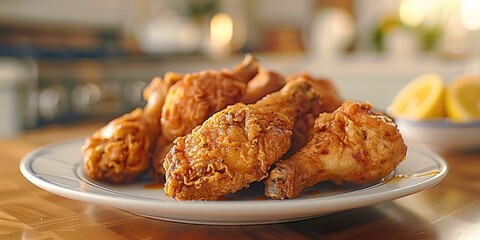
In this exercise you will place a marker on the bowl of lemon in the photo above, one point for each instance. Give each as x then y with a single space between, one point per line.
440 116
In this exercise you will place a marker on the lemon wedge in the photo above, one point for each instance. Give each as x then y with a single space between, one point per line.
422 98
462 100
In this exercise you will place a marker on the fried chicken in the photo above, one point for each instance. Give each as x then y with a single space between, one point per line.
237 145
120 151
353 144
264 83
329 100
329 95
196 97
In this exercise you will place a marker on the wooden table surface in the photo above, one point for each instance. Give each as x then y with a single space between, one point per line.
450 210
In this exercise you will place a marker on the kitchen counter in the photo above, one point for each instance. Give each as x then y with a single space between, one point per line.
449 210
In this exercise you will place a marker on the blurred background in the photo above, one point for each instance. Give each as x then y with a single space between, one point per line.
64 62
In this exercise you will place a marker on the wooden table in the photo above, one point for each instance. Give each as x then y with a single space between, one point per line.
450 210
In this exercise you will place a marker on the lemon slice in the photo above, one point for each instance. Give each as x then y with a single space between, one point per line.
422 98
462 100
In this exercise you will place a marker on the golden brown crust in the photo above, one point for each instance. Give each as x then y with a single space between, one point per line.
264 83
236 146
120 151
352 144
194 98
328 100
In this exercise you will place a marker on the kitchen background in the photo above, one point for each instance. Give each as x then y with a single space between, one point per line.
64 62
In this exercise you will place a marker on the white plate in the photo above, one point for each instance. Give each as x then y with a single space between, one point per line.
57 168
441 135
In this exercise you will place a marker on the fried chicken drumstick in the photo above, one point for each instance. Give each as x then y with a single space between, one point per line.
237 145
353 144
264 83
120 151
198 95
195 98
329 100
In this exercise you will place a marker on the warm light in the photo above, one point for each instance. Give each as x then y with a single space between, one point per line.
412 12
470 14
221 30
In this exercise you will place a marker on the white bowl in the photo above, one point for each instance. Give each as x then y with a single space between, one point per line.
442 135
